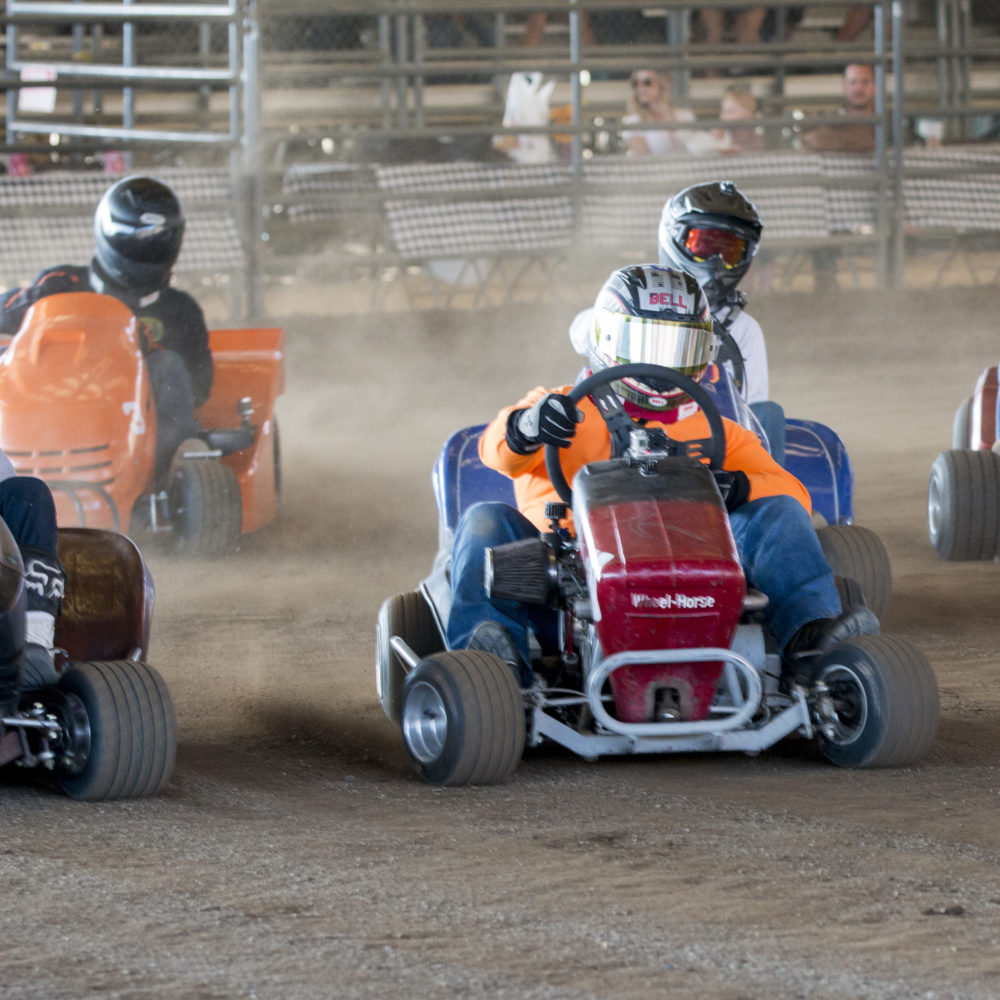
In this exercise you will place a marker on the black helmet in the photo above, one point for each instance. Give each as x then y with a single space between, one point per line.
657 315
711 231
138 226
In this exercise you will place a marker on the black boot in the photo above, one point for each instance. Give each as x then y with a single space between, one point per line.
803 650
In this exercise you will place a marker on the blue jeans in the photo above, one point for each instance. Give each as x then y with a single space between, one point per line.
485 526
28 510
776 542
782 557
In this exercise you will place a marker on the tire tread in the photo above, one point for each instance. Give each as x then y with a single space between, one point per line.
486 728
966 484
905 703
858 553
133 730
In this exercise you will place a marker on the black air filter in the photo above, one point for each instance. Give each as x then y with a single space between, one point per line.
521 571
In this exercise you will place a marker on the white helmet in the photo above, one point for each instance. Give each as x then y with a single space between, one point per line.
650 314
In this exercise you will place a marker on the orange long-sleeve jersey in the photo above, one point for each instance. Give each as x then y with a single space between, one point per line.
592 443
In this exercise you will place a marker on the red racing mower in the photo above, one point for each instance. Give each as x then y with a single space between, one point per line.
662 648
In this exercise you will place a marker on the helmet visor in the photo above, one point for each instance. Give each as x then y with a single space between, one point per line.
703 244
624 340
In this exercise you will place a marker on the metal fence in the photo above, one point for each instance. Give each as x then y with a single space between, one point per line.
306 109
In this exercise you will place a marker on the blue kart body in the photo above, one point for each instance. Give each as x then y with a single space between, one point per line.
814 454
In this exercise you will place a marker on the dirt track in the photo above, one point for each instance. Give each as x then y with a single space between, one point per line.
294 855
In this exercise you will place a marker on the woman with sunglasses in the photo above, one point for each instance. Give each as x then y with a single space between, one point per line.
649 104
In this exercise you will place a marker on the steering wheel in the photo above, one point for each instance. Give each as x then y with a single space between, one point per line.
620 424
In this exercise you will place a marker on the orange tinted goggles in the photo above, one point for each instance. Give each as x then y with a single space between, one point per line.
705 243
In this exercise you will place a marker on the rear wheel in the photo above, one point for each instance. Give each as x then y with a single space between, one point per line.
463 718
408 616
961 427
120 734
881 704
858 554
205 507
963 504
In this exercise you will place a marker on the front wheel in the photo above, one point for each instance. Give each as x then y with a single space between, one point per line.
963 504
119 732
463 718
880 706
205 507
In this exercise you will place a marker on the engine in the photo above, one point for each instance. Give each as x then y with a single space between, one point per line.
662 573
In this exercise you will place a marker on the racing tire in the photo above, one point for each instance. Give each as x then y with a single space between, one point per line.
120 731
205 506
858 554
881 706
463 718
408 616
963 505
961 427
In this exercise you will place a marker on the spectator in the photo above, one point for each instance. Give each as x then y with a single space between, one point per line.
856 20
858 85
781 22
609 27
859 18
859 99
746 24
649 102
738 105
534 27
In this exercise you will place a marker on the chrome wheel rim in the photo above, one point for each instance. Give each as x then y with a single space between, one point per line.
425 722
934 508
848 706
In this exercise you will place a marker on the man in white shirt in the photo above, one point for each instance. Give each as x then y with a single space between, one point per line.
712 232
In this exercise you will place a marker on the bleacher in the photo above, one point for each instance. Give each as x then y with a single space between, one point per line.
462 219
374 149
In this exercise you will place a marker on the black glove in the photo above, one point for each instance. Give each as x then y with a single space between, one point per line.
734 487
552 420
